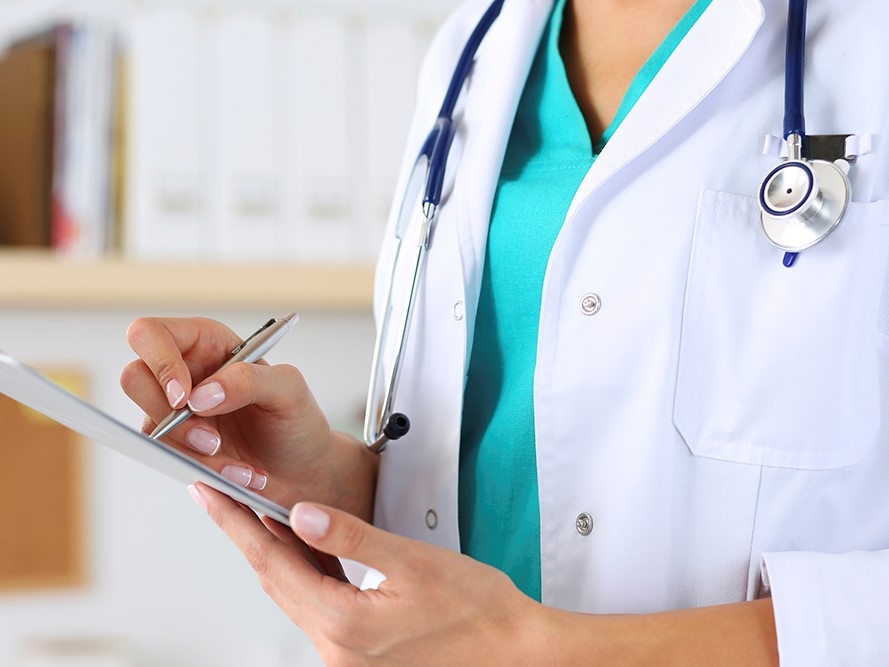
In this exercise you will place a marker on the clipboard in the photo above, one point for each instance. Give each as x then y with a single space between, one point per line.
38 392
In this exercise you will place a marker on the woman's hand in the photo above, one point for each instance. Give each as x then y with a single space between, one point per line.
436 607
256 424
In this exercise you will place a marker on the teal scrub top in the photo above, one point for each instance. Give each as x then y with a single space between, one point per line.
548 154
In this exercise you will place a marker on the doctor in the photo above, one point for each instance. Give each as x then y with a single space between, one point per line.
651 440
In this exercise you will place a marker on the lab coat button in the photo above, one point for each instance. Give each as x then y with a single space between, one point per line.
584 524
590 304
458 311
431 519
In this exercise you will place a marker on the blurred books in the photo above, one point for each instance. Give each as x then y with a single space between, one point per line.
57 154
223 131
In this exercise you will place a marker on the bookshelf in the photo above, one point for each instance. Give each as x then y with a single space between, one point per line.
42 279
195 131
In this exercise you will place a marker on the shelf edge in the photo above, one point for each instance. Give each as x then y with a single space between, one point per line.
41 279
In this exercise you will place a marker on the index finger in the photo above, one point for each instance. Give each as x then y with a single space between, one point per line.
177 350
272 558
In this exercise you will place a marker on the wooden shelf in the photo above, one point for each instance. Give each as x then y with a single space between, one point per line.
33 278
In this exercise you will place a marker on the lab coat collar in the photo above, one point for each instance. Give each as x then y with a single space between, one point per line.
709 51
489 105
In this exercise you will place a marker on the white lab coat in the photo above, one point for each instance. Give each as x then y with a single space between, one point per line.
723 420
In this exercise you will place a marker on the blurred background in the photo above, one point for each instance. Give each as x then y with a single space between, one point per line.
232 159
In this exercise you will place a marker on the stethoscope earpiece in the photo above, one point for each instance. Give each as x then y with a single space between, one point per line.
803 201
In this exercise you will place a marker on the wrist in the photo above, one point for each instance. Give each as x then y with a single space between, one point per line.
740 634
573 638
351 470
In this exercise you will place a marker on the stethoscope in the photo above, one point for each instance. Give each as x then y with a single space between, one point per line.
417 213
802 201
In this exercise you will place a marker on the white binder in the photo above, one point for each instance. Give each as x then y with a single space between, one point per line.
165 215
244 166
393 50
323 137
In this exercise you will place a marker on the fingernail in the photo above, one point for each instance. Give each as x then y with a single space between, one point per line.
309 521
238 474
206 397
259 481
197 496
245 477
203 441
175 393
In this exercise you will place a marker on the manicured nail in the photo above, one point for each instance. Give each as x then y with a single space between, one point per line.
259 481
309 521
238 474
203 441
246 477
197 496
206 397
175 393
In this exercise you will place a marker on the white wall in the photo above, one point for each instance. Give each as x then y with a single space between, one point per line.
162 577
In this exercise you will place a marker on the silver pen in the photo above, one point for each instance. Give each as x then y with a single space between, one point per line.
252 349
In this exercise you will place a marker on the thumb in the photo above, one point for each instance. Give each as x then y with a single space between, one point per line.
341 534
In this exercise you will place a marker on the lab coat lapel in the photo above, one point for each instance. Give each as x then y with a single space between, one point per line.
705 56
491 98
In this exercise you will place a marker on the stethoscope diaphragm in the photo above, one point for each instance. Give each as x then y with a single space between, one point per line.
803 201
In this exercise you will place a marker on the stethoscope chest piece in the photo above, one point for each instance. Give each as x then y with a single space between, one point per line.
803 201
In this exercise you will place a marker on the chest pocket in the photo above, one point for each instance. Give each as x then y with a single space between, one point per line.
780 367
